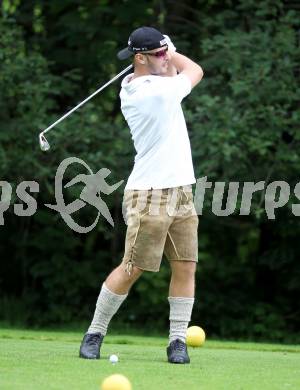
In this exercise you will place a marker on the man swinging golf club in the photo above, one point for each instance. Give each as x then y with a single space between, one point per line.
161 181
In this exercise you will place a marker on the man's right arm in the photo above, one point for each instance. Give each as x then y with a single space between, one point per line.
188 67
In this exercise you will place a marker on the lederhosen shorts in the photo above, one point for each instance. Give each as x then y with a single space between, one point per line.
159 221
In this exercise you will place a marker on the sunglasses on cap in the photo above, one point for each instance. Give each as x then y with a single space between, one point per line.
158 54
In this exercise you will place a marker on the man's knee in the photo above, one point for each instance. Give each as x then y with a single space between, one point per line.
131 274
182 268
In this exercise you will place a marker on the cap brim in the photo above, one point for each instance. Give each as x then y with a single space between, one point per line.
124 54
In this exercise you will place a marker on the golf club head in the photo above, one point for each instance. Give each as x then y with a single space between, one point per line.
44 144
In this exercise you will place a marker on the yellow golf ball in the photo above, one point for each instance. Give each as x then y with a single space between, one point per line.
116 382
195 336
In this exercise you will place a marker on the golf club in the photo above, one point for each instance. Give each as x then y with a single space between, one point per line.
44 144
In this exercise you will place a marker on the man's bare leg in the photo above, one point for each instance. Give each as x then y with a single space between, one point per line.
119 282
182 282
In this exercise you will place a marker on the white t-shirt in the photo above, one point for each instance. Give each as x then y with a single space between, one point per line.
151 106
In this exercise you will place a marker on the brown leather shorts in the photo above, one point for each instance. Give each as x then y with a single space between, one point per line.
162 221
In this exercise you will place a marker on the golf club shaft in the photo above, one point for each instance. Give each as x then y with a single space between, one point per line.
87 99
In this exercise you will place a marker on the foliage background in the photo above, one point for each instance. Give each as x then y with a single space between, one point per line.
243 121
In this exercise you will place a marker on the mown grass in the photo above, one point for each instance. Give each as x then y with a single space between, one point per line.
49 360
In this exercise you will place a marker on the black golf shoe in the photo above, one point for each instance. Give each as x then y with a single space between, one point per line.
90 346
177 352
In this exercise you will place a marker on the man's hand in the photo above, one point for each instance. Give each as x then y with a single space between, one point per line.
171 46
172 71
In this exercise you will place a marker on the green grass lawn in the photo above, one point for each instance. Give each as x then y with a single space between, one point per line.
37 360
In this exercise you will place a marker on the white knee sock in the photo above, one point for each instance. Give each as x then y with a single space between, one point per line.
180 315
107 305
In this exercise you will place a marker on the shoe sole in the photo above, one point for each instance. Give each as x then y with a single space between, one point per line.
89 358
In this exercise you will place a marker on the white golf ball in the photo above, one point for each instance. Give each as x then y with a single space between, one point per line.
113 359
